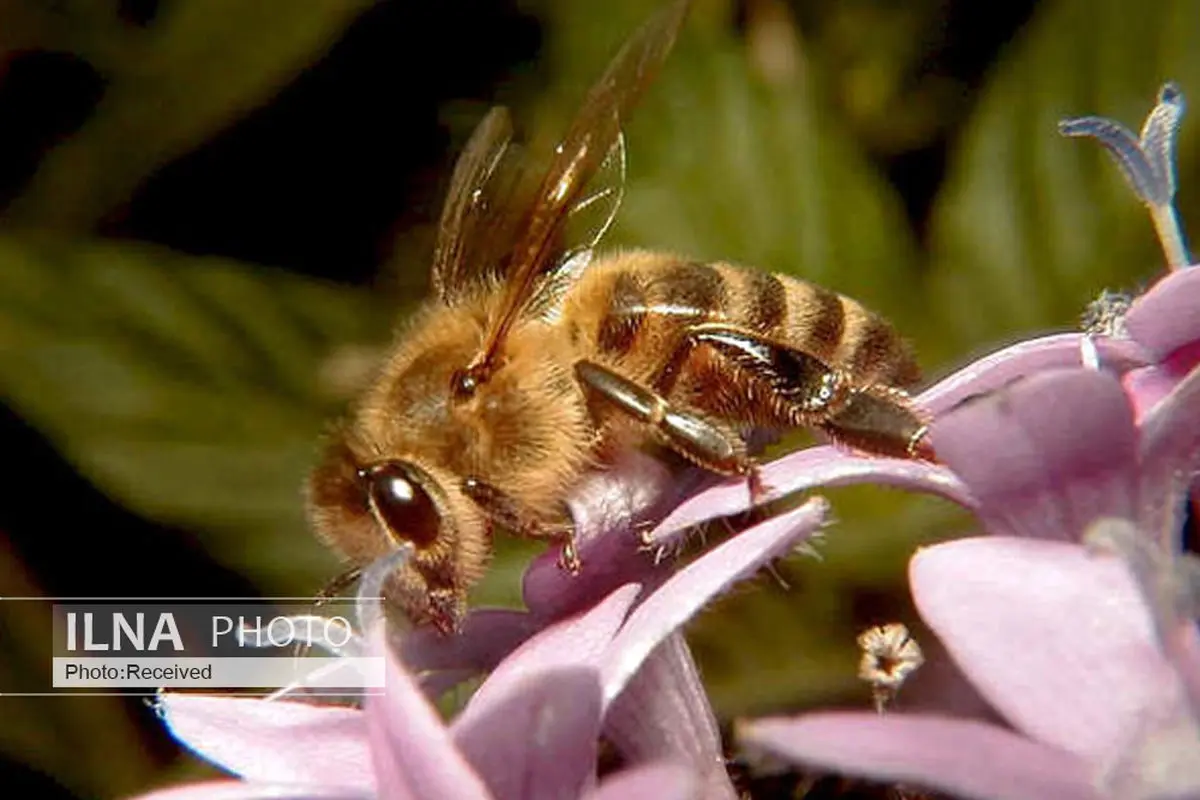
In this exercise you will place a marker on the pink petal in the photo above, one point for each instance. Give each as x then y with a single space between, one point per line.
662 781
412 751
576 642
1047 455
809 469
940 687
274 741
1167 317
1146 388
541 739
239 790
606 508
619 497
1170 455
1058 640
664 714
961 757
997 370
694 586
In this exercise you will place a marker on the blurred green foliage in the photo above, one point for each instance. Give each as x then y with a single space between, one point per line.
1028 223
192 389
170 85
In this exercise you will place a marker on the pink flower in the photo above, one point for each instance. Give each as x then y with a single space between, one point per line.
1092 659
1166 324
532 728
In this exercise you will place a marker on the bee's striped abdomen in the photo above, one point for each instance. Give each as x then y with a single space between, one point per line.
641 305
830 326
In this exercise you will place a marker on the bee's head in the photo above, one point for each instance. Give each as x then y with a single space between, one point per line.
364 508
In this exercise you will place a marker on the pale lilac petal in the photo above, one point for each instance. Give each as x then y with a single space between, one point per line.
1169 581
620 497
941 687
276 741
997 370
1170 455
1046 456
1149 386
1057 639
550 592
651 782
964 758
1167 317
412 751
694 586
541 739
1146 387
580 641
607 508
808 469
664 714
241 790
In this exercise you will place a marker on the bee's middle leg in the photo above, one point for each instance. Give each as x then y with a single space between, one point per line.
504 510
698 438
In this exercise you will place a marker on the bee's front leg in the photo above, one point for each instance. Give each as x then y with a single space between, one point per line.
504 510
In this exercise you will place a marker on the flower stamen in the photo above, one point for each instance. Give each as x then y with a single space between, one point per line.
890 655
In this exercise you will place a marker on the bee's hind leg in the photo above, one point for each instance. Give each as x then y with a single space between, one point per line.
798 388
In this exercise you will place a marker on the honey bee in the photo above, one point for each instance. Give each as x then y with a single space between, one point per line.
534 362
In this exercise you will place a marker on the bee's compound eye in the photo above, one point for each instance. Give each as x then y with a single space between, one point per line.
403 505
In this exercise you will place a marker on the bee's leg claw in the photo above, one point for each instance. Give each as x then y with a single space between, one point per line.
759 491
568 557
920 448
644 531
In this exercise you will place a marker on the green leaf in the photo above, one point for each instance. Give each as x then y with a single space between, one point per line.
89 744
726 167
189 389
1031 226
201 65
89 28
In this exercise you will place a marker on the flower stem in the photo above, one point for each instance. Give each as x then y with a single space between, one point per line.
1170 235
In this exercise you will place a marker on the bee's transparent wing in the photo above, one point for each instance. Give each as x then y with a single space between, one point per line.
596 209
583 153
474 205
587 222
